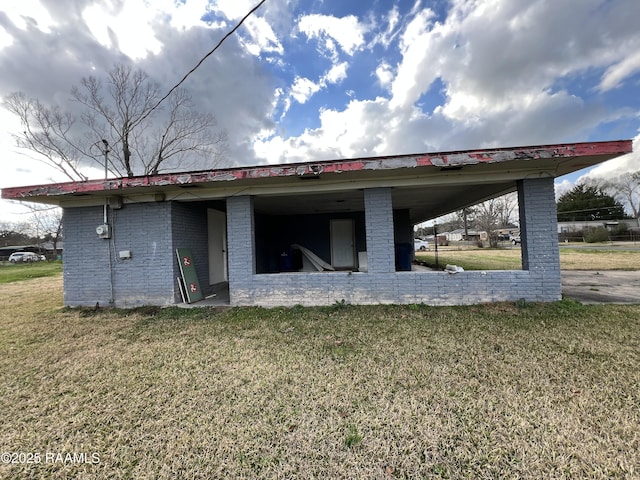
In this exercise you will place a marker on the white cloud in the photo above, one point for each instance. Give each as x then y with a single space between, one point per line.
337 73
30 13
562 186
5 38
385 74
183 16
345 128
392 20
234 9
420 64
363 128
303 88
617 73
534 47
499 62
347 31
263 38
128 30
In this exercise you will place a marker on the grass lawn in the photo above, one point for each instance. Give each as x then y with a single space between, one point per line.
14 272
511 259
382 392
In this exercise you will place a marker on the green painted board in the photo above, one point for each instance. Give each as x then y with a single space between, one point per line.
189 275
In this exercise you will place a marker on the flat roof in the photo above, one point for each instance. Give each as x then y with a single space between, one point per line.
488 172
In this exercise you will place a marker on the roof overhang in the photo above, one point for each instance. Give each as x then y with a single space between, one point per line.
428 184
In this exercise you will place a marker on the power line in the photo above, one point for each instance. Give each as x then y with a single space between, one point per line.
229 33
589 210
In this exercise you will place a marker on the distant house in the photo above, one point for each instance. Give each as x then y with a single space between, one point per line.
568 227
309 233
458 235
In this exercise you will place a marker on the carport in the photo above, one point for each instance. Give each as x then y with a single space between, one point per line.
239 222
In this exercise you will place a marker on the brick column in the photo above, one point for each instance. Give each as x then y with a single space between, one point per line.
378 210
240 247
539 232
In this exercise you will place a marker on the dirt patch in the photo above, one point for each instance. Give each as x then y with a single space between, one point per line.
591 287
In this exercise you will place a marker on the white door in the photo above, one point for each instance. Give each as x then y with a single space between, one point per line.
343 250
217 246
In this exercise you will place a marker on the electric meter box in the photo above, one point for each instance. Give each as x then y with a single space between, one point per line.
103 231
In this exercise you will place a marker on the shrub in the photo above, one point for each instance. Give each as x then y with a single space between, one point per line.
598 234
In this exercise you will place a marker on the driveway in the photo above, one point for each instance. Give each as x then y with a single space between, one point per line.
601 287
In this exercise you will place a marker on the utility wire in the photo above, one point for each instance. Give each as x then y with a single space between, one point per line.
588 210
229 33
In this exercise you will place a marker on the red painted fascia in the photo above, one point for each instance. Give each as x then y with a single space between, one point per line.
459 158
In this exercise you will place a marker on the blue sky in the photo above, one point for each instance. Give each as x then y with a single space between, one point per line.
309 80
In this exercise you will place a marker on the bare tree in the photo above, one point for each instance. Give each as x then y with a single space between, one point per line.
15 233
507 205
48 134
487 217
142 137
465 216
48 224
495 213
626 189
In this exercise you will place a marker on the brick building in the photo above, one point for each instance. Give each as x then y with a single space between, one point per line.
312 233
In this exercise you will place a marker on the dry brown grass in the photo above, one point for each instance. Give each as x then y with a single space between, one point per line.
571 259
494 391
510 259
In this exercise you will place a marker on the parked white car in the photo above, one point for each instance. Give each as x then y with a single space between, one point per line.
29 257
420 245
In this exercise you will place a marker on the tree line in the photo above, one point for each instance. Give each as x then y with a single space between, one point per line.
598 199
44 225
593 199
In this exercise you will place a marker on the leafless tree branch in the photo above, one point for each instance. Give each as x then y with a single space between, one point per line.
143 139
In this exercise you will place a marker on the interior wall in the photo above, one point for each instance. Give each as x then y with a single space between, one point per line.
276 233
